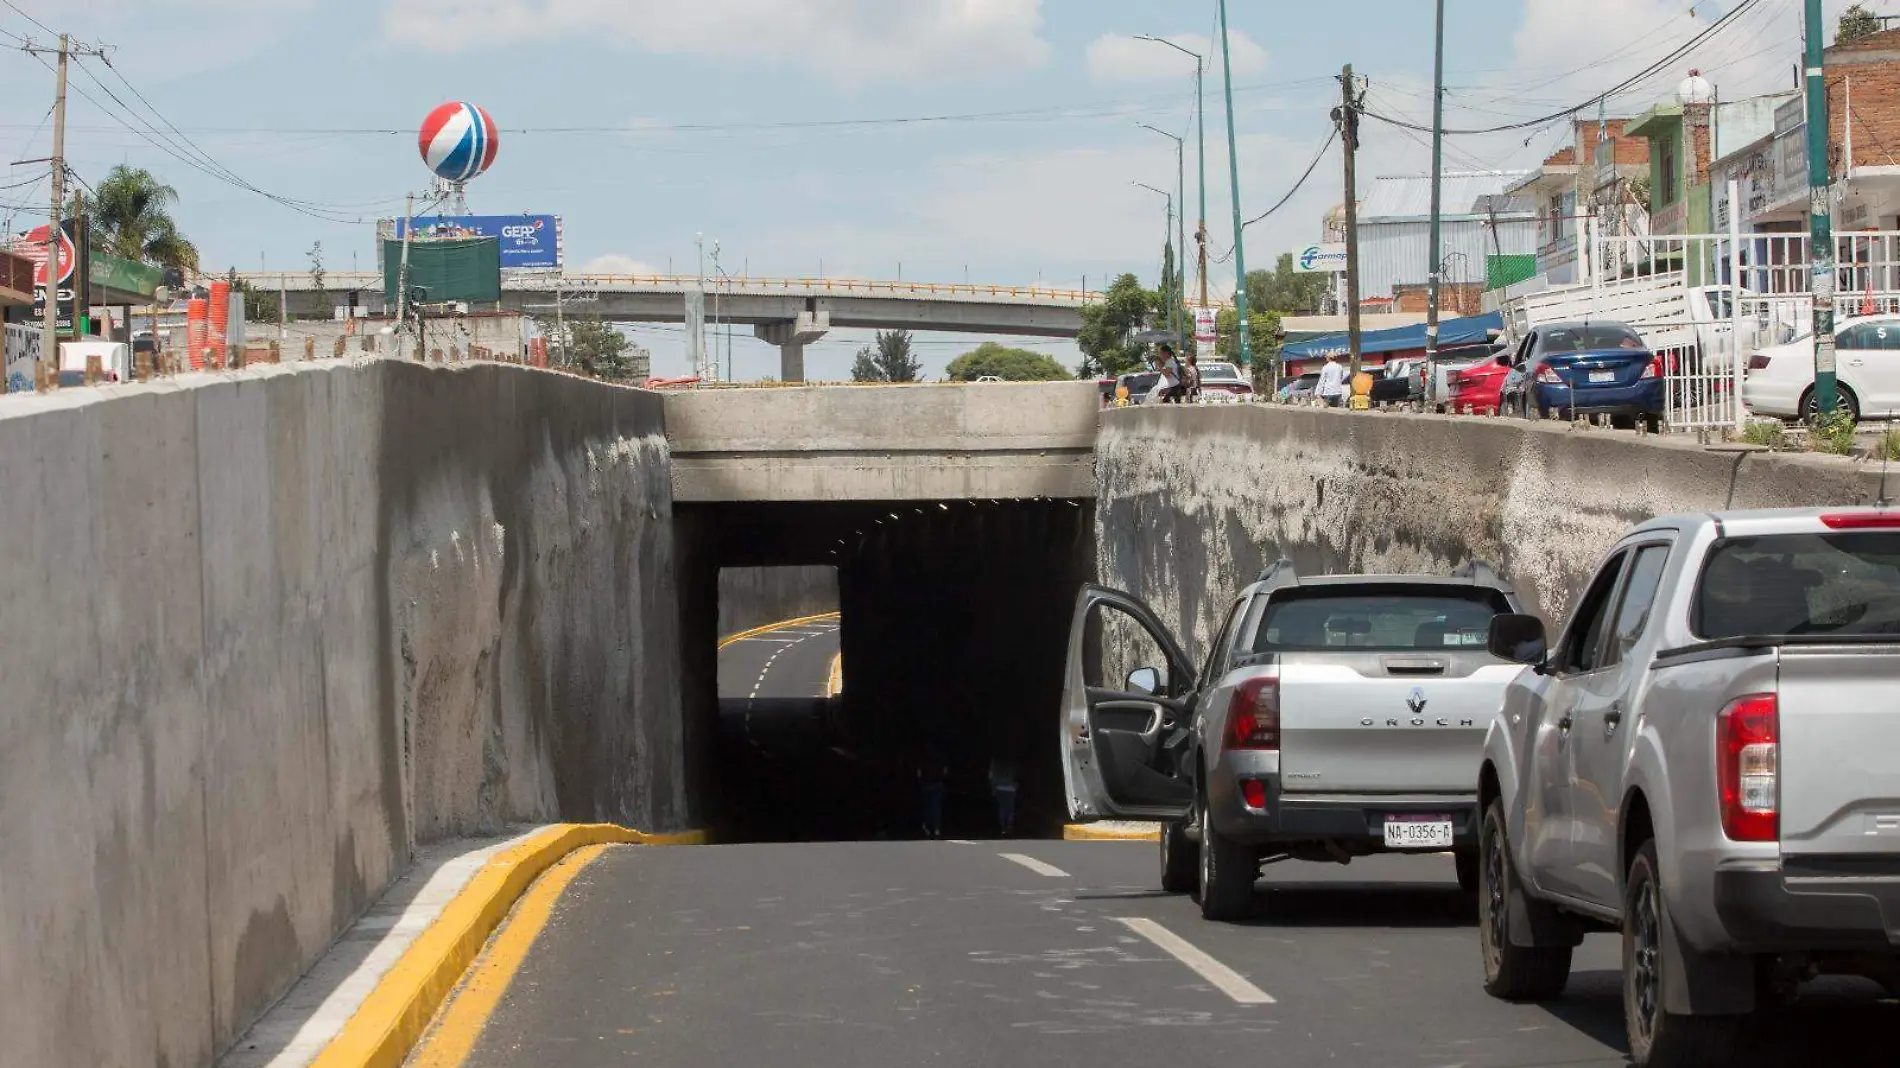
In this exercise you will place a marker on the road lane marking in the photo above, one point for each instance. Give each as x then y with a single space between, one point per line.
1035 865
828 617
459 1026
1223 978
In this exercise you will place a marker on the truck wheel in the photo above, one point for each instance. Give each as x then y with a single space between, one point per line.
1228 870
1180 858
1511 972
1467 862
1658 1038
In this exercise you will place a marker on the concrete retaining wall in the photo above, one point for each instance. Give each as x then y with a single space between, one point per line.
755 596
265 632
1192 503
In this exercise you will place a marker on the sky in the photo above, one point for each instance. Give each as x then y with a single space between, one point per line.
931 140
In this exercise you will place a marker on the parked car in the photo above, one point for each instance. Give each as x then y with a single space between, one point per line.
988 378
1449 363
1140 386
1222 382
1335 717
1704 762
1400 382
1780 378
1296 390
1584 368
1479 386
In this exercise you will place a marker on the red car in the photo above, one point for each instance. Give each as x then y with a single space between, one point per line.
1478 386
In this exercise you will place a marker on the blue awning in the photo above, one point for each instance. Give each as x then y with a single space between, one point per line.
1472 330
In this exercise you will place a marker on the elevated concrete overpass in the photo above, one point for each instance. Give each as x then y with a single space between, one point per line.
788 312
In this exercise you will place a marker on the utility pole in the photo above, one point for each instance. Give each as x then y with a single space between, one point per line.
1348 118
1438 167
402 274
1820 219
47 372
1233 179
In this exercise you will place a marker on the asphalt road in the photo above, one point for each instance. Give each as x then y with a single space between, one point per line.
792 662
947 953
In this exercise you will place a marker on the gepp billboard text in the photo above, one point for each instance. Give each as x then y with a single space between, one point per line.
527 241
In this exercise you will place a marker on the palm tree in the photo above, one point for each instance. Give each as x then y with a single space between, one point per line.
131 219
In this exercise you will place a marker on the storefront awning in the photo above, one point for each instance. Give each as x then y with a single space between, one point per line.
1471 330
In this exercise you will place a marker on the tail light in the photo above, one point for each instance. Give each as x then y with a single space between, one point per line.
1747 734
1548 376
1652 369
1861 520
1253 714
1758 362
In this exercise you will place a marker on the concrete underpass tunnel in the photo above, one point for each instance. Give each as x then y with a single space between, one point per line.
952 632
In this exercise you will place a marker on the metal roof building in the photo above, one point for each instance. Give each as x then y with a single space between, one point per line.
1479 221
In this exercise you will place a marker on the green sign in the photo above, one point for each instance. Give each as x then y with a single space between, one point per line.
125 276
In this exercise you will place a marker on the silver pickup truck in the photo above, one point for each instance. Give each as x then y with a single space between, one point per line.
1334 717
1708 761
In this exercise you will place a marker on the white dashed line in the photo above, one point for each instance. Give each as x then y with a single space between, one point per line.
1035 865
1223 978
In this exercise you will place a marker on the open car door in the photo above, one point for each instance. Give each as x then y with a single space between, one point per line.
1126 712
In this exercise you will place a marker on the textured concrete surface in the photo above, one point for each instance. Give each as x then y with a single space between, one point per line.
1193 502
266 632
884 443
757 596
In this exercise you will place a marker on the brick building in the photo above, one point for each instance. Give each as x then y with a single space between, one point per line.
1596 176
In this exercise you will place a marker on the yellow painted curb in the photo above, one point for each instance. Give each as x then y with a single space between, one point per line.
834 682
1082 832
387 1025
780 625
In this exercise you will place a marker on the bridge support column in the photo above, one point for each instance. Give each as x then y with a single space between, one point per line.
791 337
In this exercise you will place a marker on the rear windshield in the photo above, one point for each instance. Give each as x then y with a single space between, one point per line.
1390 618
1223 371
1592 338
1783 584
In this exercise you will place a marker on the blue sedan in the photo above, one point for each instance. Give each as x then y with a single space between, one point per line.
1588 368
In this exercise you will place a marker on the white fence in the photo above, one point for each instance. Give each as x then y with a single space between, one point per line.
1706 302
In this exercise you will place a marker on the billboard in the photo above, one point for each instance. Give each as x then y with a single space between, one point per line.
75 271
1204 333
1328 258
528 242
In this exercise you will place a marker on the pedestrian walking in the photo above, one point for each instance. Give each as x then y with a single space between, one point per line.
1172 385
1003 788
1191 378
932 782
1331 388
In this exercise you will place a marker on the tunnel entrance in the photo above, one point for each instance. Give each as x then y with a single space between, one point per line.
946 652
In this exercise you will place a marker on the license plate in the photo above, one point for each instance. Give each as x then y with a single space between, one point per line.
1402 833
1602 376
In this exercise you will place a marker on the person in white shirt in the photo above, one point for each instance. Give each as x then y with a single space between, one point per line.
1332 382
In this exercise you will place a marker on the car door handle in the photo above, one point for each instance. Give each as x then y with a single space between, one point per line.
1564 723
1613 717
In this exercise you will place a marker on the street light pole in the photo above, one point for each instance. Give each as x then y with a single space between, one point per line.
1233 178
1180 227
1820 219
1167 231
1438 166
1200 125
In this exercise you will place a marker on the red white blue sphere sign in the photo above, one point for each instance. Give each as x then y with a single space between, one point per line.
459 141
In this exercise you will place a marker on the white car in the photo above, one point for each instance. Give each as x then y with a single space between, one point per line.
989 378
1867 368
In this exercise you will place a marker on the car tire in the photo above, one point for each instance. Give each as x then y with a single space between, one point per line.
1511 972
1466 861
1810 405
1658 1038
1180 858
1227 872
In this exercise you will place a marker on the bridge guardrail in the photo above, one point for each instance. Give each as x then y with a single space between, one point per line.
347 280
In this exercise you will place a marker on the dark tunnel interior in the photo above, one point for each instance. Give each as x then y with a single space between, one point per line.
955 619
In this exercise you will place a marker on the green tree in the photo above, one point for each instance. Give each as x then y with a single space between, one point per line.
131 219
1008 364
1263 325
1856 22
1286 290
589 345
890 360
1109 326
260 306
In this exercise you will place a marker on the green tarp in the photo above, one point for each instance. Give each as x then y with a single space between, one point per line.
446 270
1501 271
120 277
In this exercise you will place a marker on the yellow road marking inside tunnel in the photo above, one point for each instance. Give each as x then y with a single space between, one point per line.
834 680
460 1024
780 625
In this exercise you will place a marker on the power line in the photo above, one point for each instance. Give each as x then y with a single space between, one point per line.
1310 168
1716 27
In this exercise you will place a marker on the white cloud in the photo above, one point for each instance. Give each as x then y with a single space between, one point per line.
1119 58
848 41
616 263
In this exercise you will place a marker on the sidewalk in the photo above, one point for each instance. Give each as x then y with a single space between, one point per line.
298 1027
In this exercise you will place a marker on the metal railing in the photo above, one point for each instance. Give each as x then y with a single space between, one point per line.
344 281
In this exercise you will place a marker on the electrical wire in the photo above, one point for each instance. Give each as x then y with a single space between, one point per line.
1281 203
1684 49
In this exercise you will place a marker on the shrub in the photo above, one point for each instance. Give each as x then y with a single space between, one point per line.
1771 434
1833 433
